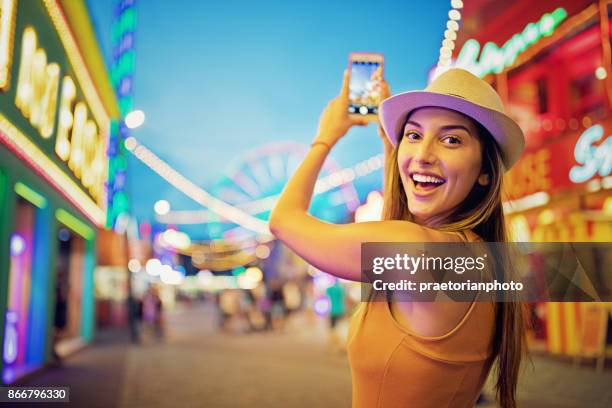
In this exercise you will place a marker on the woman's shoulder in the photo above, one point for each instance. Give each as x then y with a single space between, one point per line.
469 236
409 231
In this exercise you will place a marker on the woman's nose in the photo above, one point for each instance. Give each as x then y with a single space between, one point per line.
425 152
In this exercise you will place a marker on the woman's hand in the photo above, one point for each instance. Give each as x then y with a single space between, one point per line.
335 120
385 92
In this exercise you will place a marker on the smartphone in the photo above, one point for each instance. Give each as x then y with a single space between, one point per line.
364 93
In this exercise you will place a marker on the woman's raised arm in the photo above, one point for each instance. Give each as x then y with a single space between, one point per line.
333 248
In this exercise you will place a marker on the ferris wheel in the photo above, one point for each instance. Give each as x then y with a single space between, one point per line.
253 183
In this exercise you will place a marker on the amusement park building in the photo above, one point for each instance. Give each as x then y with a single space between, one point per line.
551 63
56 107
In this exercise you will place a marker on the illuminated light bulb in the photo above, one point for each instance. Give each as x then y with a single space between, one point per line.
546 217
450 44
450 35
573 123
162 207
348 175
600 73
77 156
375 162
205 277
454 15
66 118
153 266
335 179
11 337
254 273
130 143
607 206
457 4
560 123
134 119
587 122
176 239
134 265
244 282
321 306
445 52
63 148
452 25
18 244
520 229
262 251
170 276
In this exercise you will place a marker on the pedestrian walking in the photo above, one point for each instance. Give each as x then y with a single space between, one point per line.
153 311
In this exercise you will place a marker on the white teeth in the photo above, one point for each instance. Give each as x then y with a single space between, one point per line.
426 179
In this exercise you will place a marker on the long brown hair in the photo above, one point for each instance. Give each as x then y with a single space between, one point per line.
482 213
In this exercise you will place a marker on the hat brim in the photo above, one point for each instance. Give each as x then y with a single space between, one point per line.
505 131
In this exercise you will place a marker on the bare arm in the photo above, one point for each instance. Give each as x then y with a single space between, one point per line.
385 92
333 248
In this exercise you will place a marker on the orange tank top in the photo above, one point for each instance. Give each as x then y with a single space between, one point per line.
392 366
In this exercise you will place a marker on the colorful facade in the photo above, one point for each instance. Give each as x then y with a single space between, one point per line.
56 106
551 63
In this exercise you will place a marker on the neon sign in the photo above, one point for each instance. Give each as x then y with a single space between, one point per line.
7 22
38 97
37 85
495 59
592 159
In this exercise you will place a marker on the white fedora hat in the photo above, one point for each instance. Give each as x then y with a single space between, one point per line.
459 90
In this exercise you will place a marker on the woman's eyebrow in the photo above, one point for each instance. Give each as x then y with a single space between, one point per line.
442 128
413 123
454 127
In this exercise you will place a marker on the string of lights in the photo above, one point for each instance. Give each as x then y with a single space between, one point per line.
450 35
324 184
192 191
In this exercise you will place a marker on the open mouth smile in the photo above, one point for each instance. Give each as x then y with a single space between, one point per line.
426 182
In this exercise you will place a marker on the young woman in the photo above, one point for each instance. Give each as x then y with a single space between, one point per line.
447 149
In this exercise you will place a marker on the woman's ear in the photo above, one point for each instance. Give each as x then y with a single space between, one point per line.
483 179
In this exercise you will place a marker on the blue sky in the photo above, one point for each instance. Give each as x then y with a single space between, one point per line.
217 79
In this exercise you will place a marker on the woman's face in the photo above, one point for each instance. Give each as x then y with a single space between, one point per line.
439 159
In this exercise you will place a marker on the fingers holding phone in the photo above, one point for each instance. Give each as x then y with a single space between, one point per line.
384 91
365 88
335 120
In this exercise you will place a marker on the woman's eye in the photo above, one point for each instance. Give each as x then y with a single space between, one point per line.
412 136
451 140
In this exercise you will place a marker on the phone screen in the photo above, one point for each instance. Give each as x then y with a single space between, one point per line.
364 95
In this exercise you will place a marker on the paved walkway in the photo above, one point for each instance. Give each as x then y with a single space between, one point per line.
195 366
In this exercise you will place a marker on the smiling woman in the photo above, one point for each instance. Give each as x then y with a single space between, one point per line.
446 151
440 157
